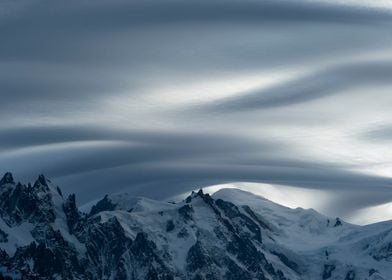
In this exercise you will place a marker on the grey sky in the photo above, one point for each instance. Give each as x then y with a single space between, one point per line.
157 98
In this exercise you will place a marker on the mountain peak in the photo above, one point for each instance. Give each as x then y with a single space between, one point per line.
7 179
41 180
230 235
41 184
194 194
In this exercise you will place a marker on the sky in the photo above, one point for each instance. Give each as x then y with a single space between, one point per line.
287 99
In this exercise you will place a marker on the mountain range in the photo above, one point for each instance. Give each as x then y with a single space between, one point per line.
231 234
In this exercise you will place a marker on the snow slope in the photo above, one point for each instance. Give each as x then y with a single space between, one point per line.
320 241
230 235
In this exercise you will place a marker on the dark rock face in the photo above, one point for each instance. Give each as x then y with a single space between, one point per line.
113 255
106 243
372 271
5 277
255 217
147 259
103 205
385 252
200 263
350 275
294 266
239 219
7 179
169 225
48 262
211 239
182 233
242 237
19 202
95 247
3 237
72 213
186 212
328 269
338 222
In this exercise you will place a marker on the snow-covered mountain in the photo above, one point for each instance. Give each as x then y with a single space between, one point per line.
229 235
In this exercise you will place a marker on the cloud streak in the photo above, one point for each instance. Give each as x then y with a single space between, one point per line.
110 96
310 87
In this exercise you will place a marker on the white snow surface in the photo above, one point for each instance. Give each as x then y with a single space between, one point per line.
17 236
307 237
303 234
310 234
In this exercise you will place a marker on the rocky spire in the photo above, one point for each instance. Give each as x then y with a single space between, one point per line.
71 212
41 180
41 184
7 179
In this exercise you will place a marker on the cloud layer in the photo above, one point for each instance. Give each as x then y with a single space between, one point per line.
159 98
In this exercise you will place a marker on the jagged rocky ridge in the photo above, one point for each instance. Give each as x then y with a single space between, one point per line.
230 235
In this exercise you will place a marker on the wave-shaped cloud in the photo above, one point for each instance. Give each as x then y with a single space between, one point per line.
310 87
88 95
